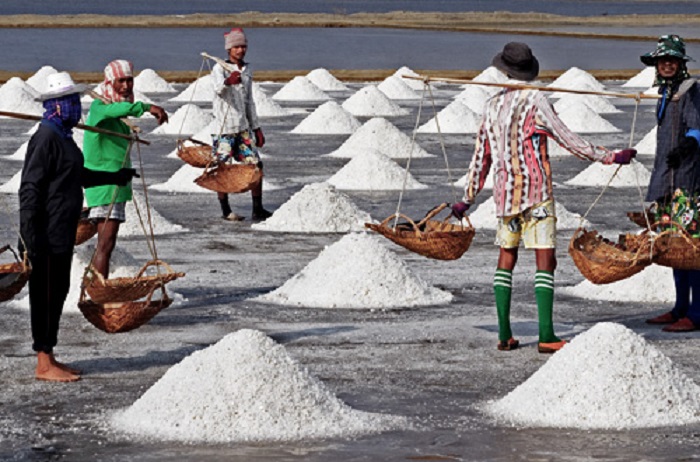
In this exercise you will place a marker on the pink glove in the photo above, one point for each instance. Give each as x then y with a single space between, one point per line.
259 137
624 156
233 79
459 209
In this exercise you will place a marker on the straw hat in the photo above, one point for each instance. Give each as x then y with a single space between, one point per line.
517 61
60 84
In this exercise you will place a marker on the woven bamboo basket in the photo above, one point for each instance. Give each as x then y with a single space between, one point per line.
440 240
13 276
86 229
638 218
676 249
230 178
127 289
602 262
115 318
197 156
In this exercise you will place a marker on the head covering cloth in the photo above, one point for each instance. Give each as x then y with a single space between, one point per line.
117 69
235 38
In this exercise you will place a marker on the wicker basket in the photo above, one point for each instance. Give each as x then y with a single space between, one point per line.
440 240
86 229
114 318
13 276
125 289
676 249
230 178
638 219
197 156
602 262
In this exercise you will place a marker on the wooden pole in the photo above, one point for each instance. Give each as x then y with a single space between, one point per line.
518 86
228 66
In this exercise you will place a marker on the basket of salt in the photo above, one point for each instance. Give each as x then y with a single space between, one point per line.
675 248
197 156
13 276
120 317
230 178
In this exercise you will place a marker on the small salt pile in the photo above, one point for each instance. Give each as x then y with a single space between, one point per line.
325 80
182 181
373 171
647 145
328 119
12 185
17 96
474 97
582 119
380 134
598 174
148 81
369 101
201 89
456 117
484 217
356 272
247 388
396 88
416 84
266 106
38 80
187 120
597 103
652 285
300 89
576 79
317 208
132 225
644 79
490 75
606 378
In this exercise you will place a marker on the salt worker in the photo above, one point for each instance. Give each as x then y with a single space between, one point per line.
513 135
109 153
50 201
675 180
240 135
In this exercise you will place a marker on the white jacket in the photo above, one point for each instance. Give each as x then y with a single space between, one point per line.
233 105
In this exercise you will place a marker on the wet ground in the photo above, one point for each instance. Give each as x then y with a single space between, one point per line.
434 364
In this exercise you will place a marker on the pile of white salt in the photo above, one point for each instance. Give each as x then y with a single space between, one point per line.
380 134
369 101
371 170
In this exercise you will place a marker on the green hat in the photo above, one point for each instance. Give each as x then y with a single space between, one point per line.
668 45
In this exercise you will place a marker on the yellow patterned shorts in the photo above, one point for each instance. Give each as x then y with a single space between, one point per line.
536 226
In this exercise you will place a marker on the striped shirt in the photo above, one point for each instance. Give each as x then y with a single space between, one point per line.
513 136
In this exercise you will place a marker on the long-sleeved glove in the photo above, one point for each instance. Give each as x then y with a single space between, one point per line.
92 178
233 79
624 156
687 147
459 209
259 137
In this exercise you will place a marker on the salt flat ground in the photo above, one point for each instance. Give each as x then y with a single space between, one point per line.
434 364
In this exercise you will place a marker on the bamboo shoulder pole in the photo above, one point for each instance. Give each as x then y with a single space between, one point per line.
228 66
517 86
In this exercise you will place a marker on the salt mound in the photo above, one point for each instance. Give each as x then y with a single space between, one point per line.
248 389
380 134
201 89
328 119
488 184
12 185
484 217
38 80
647 145
182 181
577 79
582 119
373 171
300 89
598 174
396 88
187 120
356 272
474 97
325 80
413 83
132 226
317 208
491 75
266 106
148 81
454 118
606 378
649 286
597 103
369 101
644 79
17 96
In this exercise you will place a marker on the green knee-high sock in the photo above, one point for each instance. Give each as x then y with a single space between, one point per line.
502 287
544 294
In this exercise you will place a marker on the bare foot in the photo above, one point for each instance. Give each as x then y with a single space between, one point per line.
65 367
46 370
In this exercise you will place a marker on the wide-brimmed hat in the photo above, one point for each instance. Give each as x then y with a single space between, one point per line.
668 45
517 61
60 84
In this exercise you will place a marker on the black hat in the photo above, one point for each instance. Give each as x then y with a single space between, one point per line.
516 60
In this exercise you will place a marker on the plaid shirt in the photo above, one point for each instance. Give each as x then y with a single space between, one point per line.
513 135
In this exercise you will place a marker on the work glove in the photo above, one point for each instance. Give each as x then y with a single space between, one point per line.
624 156
459 209
123 176
259 137
686 148
233 79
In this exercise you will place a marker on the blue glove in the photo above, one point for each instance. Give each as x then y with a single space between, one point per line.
459 209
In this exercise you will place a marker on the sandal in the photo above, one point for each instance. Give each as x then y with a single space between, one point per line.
508 345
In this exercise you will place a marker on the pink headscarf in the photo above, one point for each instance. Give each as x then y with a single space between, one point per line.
234 38
117 69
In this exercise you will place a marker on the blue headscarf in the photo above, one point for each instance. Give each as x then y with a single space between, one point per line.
63 113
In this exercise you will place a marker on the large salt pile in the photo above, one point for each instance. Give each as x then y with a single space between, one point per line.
266 106
21 152
644 79
597 103
380 134
397 88
582 119
182 181
17 96
300 89
606 378
456 117
576 79
38 80
12 185
474 97
244 388
133 227
356 272
649 286
369 101
201 89
317 208
490 75
404 71
598 174
328 119
647 145
373 171
325 80
484 217
148 81
187 120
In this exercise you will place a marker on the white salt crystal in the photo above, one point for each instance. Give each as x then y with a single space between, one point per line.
582 119
597 103
133 226
38 79
373 171
627 176
380 134
647 145
266 106
300 89
413 83
396 88
652 285
187 120
369 101
325 80
183 181
200 90
17 96
454 118
148 81
12 185
644 79
491 75
577 79
328 119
